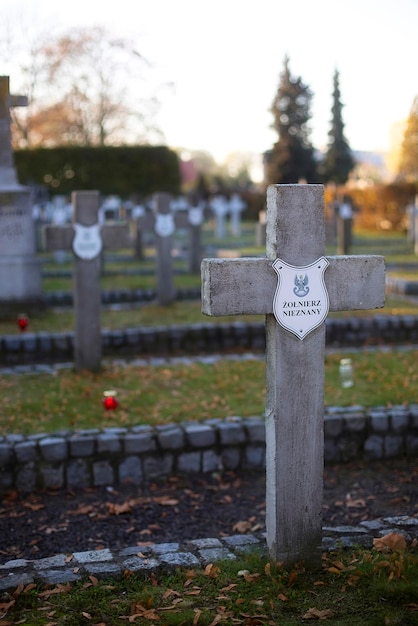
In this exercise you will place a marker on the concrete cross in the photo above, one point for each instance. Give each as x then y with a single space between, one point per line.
87 239
295 365
7 171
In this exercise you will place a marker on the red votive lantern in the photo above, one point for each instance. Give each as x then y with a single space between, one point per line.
22 321
109 400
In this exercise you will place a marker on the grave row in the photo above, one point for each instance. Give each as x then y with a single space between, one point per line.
39 351
112 456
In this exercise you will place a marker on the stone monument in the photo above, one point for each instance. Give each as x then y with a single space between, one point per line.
20 271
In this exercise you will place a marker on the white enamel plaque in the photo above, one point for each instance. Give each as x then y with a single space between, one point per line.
195 216
164 224
87 243
301 300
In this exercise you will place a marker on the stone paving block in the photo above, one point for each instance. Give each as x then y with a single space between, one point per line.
231 458
189 462
134 551
399 422
26 451
59 560
379 422
373 447
53 449
209 542
231 434
355 423
240 540
254 456
333 425
103 570
331 451
157 465
135 443
162 548
200 435
82 446
78 474
211 461
130 470
5 453
14 580
393 446
137 564
402 520
210 555
26 478
15 564
171 438
58 576
256 429
103 474
412 445
180 559
93 556
52 476
108 442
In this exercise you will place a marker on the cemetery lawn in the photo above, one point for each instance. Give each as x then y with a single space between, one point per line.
34 403
373 587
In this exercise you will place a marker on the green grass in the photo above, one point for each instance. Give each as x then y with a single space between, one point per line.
179 312
34 403
377 588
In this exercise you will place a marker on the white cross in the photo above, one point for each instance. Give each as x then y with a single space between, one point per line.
294 364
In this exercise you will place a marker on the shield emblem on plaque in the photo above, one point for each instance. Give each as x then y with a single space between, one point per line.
87 242
164 224
301 301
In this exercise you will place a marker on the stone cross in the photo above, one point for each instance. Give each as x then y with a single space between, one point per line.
87 238
7 171
295 355
163 221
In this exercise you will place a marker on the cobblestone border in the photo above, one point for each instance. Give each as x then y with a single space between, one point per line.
111 456
196 553
205 338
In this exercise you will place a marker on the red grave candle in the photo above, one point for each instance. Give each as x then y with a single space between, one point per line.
22 321
109 400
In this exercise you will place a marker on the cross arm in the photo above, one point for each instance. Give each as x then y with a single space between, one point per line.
60 237
247 286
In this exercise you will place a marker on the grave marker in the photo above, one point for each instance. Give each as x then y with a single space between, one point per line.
20 270
295 356
86 237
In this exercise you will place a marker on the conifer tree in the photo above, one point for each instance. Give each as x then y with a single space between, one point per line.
339 160
408 162
292 156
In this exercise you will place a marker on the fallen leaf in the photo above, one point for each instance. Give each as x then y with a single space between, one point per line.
391 541
118 509
242 527
211 571
317 614
197 615
166 501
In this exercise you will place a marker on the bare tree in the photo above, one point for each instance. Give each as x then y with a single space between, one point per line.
82 89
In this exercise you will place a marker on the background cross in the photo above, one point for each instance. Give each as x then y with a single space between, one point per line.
7 170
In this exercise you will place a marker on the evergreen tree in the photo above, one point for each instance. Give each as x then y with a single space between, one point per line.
292 156
408 163
339 160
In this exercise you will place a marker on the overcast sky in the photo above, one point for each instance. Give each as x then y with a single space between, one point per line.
224 58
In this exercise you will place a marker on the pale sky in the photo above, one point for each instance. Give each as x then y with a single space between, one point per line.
224 58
